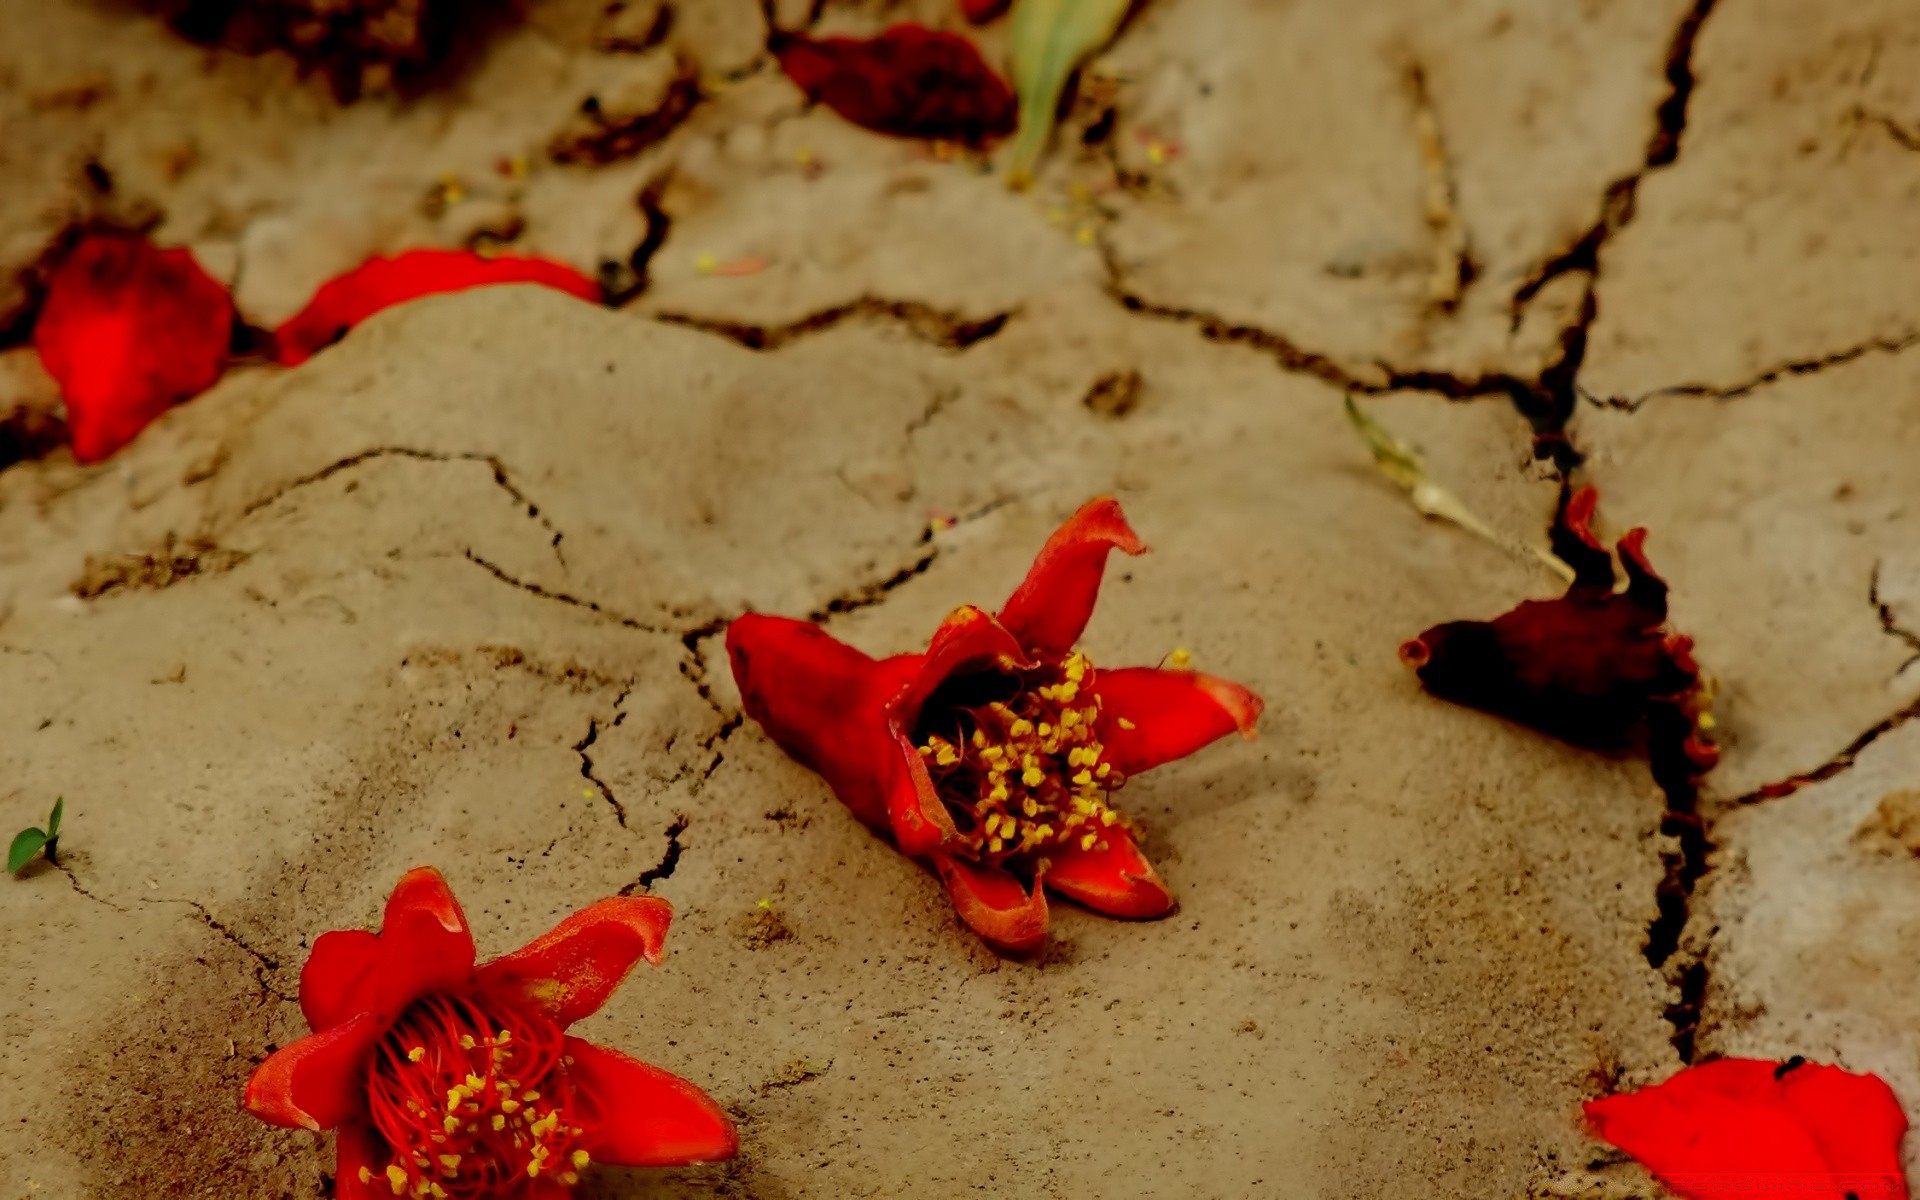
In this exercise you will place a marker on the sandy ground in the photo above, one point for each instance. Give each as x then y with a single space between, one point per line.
451 592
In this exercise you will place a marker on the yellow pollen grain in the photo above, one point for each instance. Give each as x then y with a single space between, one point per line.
1126 724
396 1179
451 1124
416 1054
499 1122
466 1041
581 1159
509 1106
1083 777
1020 728
1087 840
450 1161
366 1176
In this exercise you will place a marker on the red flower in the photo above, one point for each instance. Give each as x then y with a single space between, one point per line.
909 81
128 330
1590 667
1742 1128
994 754
379 283
447 1080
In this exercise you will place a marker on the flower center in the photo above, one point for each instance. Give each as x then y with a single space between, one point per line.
1018 761
471 1096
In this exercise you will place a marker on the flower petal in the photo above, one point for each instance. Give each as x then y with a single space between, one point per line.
335 976
128 330
380 283
569 971
356 1148
1171 714
1574 544
635 1115
995 905
909 81
1118 881
424 946
1740 1127
319 1081
823 702
1050 608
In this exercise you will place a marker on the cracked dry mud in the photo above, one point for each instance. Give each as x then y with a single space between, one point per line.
452 592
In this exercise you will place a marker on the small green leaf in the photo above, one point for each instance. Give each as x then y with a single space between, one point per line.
1050 37
26 844
53 822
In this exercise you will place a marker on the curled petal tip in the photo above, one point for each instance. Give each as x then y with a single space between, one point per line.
1416 653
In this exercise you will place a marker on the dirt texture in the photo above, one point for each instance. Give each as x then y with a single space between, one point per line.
453 592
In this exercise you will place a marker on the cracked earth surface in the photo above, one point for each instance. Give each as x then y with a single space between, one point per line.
453 592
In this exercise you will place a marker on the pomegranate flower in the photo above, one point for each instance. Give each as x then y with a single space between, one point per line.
1741 1127
1590 667
994 755
460 1083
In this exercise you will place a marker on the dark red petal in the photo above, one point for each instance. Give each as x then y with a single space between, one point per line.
636 1115
1573 542
379 283
1740 1128
823 702
1050 608
569 971
319 1081
128 330
995 905
425 945
335 976
357 1149
1118 881
982 11
1172 714
909 81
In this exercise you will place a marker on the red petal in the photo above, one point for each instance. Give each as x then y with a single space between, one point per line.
425 945
335 975
1173 714
380 283
821 701
909 81
982 11
356 1149
128 330
1573 541
318 1082
569 972
1118 881
995 905
636 1115
1741 1128
1050 608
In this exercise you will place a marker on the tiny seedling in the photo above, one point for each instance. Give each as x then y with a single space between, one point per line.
29 842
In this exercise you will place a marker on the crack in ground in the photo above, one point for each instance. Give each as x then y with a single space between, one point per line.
948 330
1453 265
546 593
1804 366
669 859
1907 138
871 594
501 478
1844 760
586 760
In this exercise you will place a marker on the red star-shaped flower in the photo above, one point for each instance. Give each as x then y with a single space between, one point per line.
457 1082
993 755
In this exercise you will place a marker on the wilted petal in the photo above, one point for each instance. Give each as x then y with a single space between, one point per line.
636 1115
568 972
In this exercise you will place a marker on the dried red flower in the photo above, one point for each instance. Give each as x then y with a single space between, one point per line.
128 330
982 11
1590 667
451 1081
909 81
1742 1128
379 283
994 754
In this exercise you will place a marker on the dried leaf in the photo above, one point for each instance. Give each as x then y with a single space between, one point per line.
1050 38
1403 465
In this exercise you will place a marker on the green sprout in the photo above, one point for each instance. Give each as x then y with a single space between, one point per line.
29 842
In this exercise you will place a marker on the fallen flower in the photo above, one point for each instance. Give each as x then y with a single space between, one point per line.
380 283
1589 667
1742 1128
994 755
460 1083
128 330
909 81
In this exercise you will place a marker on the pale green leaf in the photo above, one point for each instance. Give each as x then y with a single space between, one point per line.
26 844
53 822
1403 465
1050 38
